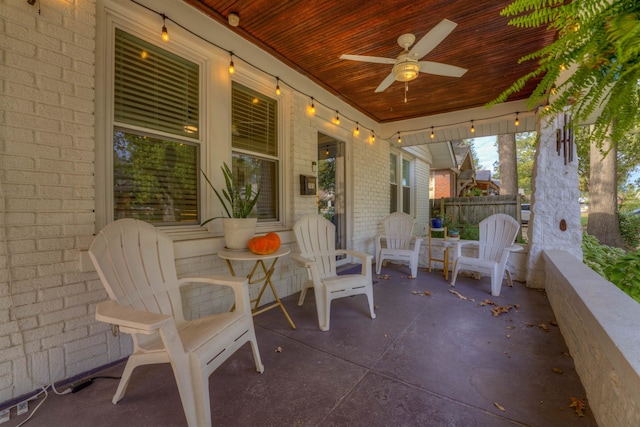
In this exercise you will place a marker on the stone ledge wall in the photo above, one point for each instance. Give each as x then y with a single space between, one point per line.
600 325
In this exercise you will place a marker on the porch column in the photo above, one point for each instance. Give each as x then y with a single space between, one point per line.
555 205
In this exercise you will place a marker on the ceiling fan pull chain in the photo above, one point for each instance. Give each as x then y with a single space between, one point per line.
406 89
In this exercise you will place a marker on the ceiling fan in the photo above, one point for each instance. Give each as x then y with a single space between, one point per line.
407 65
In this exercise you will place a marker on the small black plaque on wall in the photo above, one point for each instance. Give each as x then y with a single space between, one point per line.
308 185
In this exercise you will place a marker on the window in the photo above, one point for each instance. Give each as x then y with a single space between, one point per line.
254 140
156 134
400 183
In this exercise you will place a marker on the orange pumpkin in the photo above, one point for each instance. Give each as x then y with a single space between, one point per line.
265 245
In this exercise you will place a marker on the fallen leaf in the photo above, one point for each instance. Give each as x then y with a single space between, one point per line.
508 335
459 295
528 324
278 349
577 405
517 306
487 302
411 277
427 293
511 327
557 370
553 322
499 406
385 277
497 311
544 327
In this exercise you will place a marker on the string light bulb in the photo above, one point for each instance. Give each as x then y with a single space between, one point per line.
232 68
312 109
165 33
356 131
278 86
337 121
473 128
372 139
433 135
547 107
399 138
517 122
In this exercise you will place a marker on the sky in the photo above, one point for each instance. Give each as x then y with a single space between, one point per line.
486 150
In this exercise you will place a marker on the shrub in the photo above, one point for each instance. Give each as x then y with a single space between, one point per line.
630 228
614 264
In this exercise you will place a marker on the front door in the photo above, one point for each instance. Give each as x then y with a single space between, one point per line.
332 201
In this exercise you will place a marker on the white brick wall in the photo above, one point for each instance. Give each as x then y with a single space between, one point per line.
47 81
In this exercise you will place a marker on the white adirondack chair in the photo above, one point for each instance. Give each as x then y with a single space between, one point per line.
136 265
497 236
316 240
400 245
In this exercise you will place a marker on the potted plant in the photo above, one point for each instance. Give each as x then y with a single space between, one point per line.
238 203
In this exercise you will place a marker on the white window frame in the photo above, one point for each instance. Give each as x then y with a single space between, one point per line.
400 156
215 113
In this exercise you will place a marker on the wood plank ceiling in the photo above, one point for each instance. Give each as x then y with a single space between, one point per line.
310 36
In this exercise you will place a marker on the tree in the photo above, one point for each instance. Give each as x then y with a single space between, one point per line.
526 147
508 164
603 215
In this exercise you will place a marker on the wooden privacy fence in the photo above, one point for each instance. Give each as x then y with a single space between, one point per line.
472 210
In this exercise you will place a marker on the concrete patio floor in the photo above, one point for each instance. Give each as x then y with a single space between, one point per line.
426 360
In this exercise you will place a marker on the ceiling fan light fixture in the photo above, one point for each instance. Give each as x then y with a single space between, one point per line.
406 71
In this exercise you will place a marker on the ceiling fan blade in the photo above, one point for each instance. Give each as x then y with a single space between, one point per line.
363 58
441 69
432 39
386 83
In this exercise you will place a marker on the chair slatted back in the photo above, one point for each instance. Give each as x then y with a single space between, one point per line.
316 239
136 264
496 233
398 230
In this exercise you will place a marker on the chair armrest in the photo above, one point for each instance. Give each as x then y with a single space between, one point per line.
302 261
514 248
460 244
111 312
364 257
240 286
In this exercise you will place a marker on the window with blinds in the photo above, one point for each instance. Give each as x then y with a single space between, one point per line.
155 93
154 88
254 138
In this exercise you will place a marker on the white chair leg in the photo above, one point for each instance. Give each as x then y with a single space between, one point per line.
496 282
379 265
303 293
413 264
508 277
133 362
454 276
371 308
256 353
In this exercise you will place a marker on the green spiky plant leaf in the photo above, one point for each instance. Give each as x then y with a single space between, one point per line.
237 201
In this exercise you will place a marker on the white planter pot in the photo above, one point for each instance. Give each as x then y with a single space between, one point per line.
238 232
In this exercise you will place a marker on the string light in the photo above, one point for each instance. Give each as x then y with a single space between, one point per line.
517 122
337 121
547 107
554 90
278 86
232 68
311 109
399 138
165 33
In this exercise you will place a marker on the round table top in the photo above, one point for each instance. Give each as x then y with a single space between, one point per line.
247 255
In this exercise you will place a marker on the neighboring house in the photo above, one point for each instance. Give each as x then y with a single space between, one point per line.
487 185
454 181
